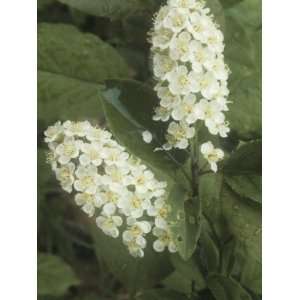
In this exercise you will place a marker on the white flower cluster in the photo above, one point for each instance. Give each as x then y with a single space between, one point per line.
188 62
108 181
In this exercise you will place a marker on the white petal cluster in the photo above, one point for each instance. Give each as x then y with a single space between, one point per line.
188 63
111 184
212 155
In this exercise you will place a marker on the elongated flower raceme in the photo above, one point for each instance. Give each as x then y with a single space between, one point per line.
188 62
110 183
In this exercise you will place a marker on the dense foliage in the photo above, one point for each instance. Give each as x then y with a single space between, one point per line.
94 63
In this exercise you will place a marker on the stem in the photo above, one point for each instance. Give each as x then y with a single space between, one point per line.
175 161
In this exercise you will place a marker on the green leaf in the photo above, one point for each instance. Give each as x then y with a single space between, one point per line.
232 218
248 186
161 294
245 112
248 12
128 116
229 3
211 253
218 13
247 159
250 270
243 221
71 67
189 271
177 282
55 277
224 288
243 55
134 273
184 220
42 4
113 9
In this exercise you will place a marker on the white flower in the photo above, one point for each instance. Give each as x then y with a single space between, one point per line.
201 56
188 59
53 132
97 134
134 204
163 65
160 211
176 20
109 225
91 154
180 48
206 83
186 110
215 41
88 202
182 3
76 128
143 180
162 38
212 155
114 156
199 26
87 180
116 178
65 175
180 82
111 200
160 16
210 112
178 135
133 237
147 137
161 113
68 150
164 240
106 178
168 100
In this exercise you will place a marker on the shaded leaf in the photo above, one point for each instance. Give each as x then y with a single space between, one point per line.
247 159
128 107
71 67
224 288
161 294
55 276
134 273
248 186
189 271
113 9
184 220
245 112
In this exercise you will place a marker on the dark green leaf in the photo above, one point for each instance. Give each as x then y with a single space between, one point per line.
128 115
248 12
54 275
243 221
71 66
229 3
224 288
113 9
247 159
211 252
177 282
248 186
189 271
161 294
245 112
134 273
232 218
184 220
42 4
